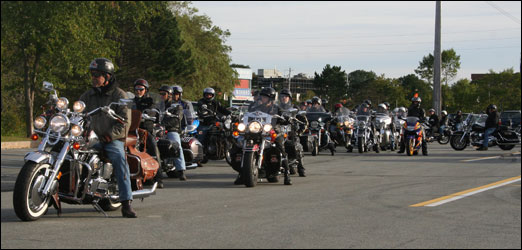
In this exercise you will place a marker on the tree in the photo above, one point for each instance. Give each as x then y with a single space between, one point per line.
502 89
358 85
450 64
331 84
411 84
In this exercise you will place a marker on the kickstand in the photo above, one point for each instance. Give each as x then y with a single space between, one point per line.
57 204
99 209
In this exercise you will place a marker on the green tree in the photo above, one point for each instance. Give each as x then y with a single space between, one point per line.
331 84
450 64
411 84
358 85
467 97
502 89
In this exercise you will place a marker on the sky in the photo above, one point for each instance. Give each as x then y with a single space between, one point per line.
389 38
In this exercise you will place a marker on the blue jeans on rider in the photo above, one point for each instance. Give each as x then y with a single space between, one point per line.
116 153
487 133
178 162
441 129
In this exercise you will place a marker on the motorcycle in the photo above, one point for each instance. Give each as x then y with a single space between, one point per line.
384 133
366 135
473 133
341 128
215 147
67 167
413 136
293 147
399 122
259 157
321 136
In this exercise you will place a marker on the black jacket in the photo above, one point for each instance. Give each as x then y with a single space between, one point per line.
492 121
417 112
214 106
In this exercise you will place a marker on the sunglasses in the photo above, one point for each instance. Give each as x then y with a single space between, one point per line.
96 74
137 89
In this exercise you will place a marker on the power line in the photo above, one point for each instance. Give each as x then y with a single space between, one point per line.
505 13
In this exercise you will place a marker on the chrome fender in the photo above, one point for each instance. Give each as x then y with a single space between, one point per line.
39 157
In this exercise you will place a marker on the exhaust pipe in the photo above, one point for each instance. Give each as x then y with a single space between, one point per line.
192 166
140 194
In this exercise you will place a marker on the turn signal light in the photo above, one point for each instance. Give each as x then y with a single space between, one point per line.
274 135
217 124
34 137
235 133
76 145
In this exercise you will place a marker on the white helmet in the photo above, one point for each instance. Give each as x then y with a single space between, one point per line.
444 112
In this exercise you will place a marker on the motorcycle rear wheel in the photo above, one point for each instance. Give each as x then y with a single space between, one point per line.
443 139
28 204
109 205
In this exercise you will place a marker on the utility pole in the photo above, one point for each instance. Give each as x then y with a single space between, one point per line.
289 78
437 63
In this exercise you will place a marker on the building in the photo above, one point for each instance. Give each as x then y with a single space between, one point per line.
269 73
299 84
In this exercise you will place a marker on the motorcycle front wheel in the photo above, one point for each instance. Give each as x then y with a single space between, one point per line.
360 144
249 169
506 147
443 139
28 203
410 147
458 144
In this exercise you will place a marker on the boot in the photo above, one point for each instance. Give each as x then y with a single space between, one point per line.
127 211
238 180
301 169
287 172
181 175
402 149
287 179
159 178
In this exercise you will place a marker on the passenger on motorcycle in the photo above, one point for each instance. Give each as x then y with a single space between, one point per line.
208 117
111 133
173 126
491 125
316 105
142 101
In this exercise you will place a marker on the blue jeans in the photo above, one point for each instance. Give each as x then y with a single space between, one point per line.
487 133
178 162
116 153
441 129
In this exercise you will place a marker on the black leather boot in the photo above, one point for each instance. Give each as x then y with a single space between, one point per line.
127 211
181 175
159 178
287 172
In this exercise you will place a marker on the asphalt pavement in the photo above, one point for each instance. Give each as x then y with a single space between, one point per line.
350 200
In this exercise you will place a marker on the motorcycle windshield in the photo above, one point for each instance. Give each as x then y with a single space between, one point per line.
342 112
258 116
412 120
315 116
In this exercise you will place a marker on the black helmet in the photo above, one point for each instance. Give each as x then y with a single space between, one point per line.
316 99
142 82
167 89
492 106
270 92
286 92
103 65
209 91
367 101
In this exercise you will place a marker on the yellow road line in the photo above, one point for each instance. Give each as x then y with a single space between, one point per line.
462 194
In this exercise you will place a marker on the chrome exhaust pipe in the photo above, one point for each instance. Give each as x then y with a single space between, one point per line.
192 166
140 194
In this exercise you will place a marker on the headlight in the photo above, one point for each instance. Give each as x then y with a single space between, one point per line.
59 124
76 130
241 127
62 103
78 106
314 124
254 127
267 128
40 122
227 123
346 123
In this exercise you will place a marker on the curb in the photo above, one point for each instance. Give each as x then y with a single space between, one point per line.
20 144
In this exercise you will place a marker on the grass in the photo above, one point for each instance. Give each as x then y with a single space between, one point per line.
14 138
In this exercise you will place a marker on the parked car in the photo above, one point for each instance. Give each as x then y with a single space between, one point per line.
510 115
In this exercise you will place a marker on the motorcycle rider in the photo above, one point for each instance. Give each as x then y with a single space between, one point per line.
285 103
267 97
142 101
417 111
172 125
111 133
491 125
433 121
207 120
316 105
443 122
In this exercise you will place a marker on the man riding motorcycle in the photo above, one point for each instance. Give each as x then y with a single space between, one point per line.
285 103
416 111
208 118
111 133
143 101
491 125
433 122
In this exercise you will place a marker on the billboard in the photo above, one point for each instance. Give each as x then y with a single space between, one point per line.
243 86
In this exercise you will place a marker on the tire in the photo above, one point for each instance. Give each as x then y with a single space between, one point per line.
443 139
249 170
410 147
27 203
172 174
457 144
315 151
109 205
424 148
506 147
273 179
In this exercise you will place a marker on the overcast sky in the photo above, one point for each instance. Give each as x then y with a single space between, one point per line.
385 37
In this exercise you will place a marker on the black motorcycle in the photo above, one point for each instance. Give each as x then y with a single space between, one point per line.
473 133
341 128
317 124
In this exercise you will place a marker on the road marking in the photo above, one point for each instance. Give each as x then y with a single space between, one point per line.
465 193
492 157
